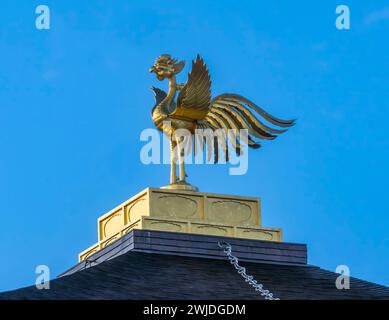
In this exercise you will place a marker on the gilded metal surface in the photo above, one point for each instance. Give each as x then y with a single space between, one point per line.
184 211
194 109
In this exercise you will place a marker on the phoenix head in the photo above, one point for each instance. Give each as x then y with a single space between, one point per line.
165 66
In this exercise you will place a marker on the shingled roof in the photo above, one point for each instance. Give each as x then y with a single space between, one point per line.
166 265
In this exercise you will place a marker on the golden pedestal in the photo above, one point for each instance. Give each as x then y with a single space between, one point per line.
184 211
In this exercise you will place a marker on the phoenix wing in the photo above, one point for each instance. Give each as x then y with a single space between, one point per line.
193 101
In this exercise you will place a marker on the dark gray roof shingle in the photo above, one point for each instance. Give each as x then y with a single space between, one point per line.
138 275
167 265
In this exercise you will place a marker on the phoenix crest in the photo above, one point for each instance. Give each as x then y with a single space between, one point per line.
194 109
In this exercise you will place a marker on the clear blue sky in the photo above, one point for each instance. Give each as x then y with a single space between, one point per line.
74 99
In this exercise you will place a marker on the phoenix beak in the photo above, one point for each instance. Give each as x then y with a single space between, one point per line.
152 69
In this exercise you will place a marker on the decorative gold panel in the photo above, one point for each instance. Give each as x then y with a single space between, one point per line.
230 211
112 224
136 209
175 206
212 229
88 252
259 234
109 241
164 225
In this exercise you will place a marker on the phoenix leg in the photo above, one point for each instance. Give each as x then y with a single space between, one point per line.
173 178
181 151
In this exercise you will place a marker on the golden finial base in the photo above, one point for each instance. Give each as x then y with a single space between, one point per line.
180 186
186 211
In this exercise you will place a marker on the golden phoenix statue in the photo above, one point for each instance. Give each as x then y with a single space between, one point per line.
194 109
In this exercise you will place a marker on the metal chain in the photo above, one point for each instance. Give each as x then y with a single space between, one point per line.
227 249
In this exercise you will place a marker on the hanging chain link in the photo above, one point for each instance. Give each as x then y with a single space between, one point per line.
227 249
